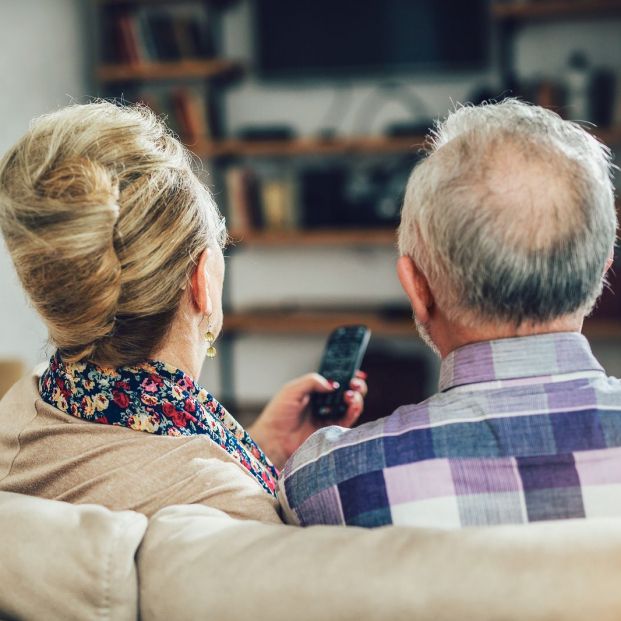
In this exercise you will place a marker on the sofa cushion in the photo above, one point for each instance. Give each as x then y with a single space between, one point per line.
196 562
63 561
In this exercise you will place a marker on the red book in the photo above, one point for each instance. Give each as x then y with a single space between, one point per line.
128 40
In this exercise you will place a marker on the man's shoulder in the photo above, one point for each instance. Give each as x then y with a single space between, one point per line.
326 443
334 455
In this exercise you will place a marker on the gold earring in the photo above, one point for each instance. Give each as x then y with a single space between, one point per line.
210 338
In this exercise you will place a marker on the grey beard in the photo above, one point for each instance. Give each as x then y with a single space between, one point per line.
424 335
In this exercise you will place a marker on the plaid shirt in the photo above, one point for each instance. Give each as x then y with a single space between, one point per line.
521 430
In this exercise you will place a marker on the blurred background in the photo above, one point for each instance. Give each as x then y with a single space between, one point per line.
306 119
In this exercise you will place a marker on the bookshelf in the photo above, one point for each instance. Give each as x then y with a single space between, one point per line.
317 323
179 70
164 53
117 3
370 145
375 145
321 237
551 9
142 67
382 323
511 15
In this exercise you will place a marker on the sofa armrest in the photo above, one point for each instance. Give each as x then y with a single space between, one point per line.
226 569
63 561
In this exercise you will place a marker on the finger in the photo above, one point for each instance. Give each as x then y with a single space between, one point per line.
359 385
355 404
312 382
361 374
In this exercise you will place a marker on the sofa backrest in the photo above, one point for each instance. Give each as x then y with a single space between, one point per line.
63 561
72 562
234 571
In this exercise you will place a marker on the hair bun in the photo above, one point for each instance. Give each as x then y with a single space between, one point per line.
81 189
105 220
62 243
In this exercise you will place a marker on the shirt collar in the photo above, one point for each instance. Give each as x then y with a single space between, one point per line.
518 358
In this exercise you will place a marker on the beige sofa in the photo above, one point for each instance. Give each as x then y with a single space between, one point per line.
63 561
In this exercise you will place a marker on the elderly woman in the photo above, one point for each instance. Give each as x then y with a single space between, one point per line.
119 247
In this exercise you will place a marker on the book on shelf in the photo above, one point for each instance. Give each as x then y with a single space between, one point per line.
128 40
279 204
184 110
149 35
191 113
258 203
243 200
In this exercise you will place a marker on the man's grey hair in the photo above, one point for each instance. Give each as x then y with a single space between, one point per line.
511 215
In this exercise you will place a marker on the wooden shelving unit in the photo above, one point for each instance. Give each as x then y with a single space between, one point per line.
308 146
143 2
360 145
319 323
119 78
546 9
319 237
603 329
382 324
178 70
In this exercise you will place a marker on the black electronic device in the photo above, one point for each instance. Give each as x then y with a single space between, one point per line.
266 132
326 38
341 359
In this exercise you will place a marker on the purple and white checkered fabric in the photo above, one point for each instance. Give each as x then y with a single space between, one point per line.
522 430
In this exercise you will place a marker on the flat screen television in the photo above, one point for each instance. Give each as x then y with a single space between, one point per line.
323 38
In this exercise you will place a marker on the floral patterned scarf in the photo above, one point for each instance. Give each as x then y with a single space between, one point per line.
154 397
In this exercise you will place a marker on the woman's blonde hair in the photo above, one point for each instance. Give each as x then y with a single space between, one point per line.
104 219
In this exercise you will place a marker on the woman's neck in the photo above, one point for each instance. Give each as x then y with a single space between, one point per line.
183 351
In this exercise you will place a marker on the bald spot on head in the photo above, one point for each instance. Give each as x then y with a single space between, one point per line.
528 187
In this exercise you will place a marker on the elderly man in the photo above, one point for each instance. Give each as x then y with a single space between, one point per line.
507 230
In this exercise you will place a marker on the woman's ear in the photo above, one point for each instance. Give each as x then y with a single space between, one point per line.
199 285
416 287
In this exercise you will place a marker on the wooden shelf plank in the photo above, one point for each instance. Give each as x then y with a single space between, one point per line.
143 2
602 328
555 9
610 136
338 146
321 323
308 146
174 70
319 237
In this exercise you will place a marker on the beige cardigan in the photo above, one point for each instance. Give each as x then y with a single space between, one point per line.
45 452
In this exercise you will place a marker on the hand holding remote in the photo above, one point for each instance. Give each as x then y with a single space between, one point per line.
341 360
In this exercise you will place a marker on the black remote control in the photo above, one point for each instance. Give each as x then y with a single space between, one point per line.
341 359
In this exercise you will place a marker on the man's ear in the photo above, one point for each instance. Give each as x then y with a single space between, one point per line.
199 281
416 287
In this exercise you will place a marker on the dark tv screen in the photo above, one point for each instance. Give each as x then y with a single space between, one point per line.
321 37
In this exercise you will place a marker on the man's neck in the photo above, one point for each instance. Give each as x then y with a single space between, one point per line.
448 336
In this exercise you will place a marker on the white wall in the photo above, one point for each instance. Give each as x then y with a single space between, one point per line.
42 66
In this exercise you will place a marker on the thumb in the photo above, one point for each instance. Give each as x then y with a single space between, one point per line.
311 382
